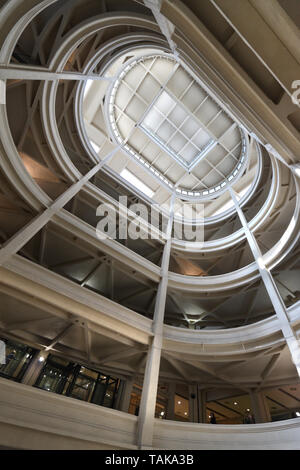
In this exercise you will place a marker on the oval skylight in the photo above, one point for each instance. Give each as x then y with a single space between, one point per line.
174 128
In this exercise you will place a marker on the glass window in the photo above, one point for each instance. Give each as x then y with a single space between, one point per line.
53 379
17 359
61 376
56 375
91 373
135 399
111 389
76 381
82 388
99 393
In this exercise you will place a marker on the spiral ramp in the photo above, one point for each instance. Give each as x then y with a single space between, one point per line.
168 104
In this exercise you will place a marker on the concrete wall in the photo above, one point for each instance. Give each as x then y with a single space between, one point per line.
35 419
272 436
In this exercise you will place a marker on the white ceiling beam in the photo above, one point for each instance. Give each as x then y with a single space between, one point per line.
35 73
60 336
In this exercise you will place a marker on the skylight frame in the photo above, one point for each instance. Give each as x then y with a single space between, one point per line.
178 158
134 155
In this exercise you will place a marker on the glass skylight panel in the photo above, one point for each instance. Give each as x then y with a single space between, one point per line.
153 120
165 103
177 115
189 153
176 130
201 139
132 179
172 117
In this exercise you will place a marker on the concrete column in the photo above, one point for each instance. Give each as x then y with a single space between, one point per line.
171 401
193 405
201 406
126 394
149 392
260 408
35 367
271 287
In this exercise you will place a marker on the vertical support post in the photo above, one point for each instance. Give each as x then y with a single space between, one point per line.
201 405
260 408
271 287
171 401
126 394
35 367
193 403
149 392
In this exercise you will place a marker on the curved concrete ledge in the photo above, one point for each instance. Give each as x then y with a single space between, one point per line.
21 274
35 419
60 292
260 329
272 436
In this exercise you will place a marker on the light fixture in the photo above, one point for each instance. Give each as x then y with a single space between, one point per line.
298 413
162 413
248 409
179 402
235 403
42 359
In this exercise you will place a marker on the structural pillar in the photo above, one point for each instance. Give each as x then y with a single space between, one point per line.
193 403
149 392
201 406
171 401
271 287
260 408
35 368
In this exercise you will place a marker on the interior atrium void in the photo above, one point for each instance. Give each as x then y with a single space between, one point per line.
149 224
